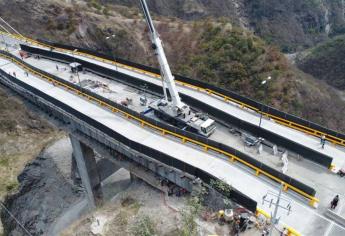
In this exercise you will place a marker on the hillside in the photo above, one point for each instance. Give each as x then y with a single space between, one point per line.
290 24
326 62
215 50
22 135
296 25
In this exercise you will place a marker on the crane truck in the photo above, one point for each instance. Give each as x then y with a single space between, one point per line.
174 111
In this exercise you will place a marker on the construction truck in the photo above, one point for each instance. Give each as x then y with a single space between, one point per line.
174 111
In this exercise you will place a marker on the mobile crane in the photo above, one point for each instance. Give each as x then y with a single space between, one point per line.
174 111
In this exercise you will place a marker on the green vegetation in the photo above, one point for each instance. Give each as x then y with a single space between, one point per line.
66 24
4 161
294 25
313 3
12 185
221 186
106 11
330 46
237 60
144 226
95 4
189 214
326 62
233 59
9 181
23 135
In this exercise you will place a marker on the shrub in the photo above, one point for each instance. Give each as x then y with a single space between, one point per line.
144 226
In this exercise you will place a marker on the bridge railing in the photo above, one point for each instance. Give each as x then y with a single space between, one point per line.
79 117
227 118
184 136
283 118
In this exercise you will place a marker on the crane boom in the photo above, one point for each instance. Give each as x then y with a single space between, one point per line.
175 111
163 62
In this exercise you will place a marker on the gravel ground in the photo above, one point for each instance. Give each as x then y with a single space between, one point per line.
121 214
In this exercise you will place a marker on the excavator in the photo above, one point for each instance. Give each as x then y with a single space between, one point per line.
173 110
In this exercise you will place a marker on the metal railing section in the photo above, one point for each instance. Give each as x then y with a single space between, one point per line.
313 201
282 121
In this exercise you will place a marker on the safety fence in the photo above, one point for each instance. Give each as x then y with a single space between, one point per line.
292 145
206 177
283 118
280 117
165 129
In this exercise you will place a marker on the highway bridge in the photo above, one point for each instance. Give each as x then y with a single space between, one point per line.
211 158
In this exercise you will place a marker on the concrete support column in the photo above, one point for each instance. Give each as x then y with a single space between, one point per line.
87 168
133 177
74 172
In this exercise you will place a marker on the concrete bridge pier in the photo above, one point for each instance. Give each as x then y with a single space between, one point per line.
93 171
88 171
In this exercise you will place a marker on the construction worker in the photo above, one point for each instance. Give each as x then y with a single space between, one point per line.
323 141
237 228
285 232
334 202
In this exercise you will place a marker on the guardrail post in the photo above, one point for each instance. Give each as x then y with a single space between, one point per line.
257 173
331 167
205 148
293 232
314 203
286 187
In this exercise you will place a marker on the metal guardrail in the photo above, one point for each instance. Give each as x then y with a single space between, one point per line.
312 200
70 117
93 67
106 136
280 120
